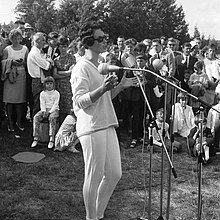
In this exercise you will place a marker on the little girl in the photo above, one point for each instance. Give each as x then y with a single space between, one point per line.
66 136
49 105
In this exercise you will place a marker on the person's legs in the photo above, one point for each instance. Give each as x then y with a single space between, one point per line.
52 127
36 124
112 173
100 152
19 112
36 106
9 109
94 150
217 134
53 123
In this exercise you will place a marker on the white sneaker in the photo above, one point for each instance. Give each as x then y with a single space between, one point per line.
34 144
50 145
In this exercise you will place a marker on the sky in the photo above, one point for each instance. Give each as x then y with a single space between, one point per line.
201 13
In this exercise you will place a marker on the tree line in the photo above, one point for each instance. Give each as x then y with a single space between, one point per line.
139 19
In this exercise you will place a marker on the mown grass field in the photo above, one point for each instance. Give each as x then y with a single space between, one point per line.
52 188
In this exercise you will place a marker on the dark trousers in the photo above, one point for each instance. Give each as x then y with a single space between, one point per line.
37 88
30 99
137 111
217 134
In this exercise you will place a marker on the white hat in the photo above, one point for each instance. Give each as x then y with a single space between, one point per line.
28 26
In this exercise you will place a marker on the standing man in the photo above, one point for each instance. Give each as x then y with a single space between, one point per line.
36 63
96 122
121 46
52 49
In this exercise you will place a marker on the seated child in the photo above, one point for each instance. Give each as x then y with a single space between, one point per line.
157 144
49 105
207 141
66 136
184 121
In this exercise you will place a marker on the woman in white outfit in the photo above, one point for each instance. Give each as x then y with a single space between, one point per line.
96 122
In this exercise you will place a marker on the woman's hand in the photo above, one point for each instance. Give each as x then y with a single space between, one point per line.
111 81
18 62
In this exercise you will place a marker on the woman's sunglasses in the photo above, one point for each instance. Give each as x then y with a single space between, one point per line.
100 39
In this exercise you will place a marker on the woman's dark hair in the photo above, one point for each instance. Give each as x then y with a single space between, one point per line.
86 33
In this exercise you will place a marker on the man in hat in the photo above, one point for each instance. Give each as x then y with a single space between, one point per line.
28 34
27 39
19 24
52 50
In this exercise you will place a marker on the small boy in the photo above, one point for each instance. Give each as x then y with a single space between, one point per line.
157 144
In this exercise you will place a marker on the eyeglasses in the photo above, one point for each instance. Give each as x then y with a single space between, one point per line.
100 39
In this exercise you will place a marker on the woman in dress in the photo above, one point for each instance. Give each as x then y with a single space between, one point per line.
14 76
62 71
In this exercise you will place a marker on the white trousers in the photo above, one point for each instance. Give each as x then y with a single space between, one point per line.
102 170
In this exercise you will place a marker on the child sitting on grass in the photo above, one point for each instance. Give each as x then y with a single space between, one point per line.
157 144
66 136
49 105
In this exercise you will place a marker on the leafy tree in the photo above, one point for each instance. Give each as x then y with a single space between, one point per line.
143 19
196 32
41 14
132 18
72 14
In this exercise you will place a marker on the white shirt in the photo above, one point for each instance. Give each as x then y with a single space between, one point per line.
49 100
36 62
91 117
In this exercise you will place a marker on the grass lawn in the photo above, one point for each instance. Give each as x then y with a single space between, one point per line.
52 187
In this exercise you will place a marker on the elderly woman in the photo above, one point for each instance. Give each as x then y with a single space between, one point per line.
14 77
63 65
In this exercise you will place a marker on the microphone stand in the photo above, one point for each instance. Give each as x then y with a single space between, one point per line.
154 121
150 170
154 124
200 159
163 144
162 156
171 154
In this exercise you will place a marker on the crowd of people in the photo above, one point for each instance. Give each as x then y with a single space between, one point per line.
50 78
27 58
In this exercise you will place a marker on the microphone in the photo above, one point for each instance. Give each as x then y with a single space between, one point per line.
105 68
158 65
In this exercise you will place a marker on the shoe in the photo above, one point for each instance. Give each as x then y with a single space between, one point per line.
133 143
11 129
19 127
50 145
34 144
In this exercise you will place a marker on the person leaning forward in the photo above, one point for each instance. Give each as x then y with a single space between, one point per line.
36 63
